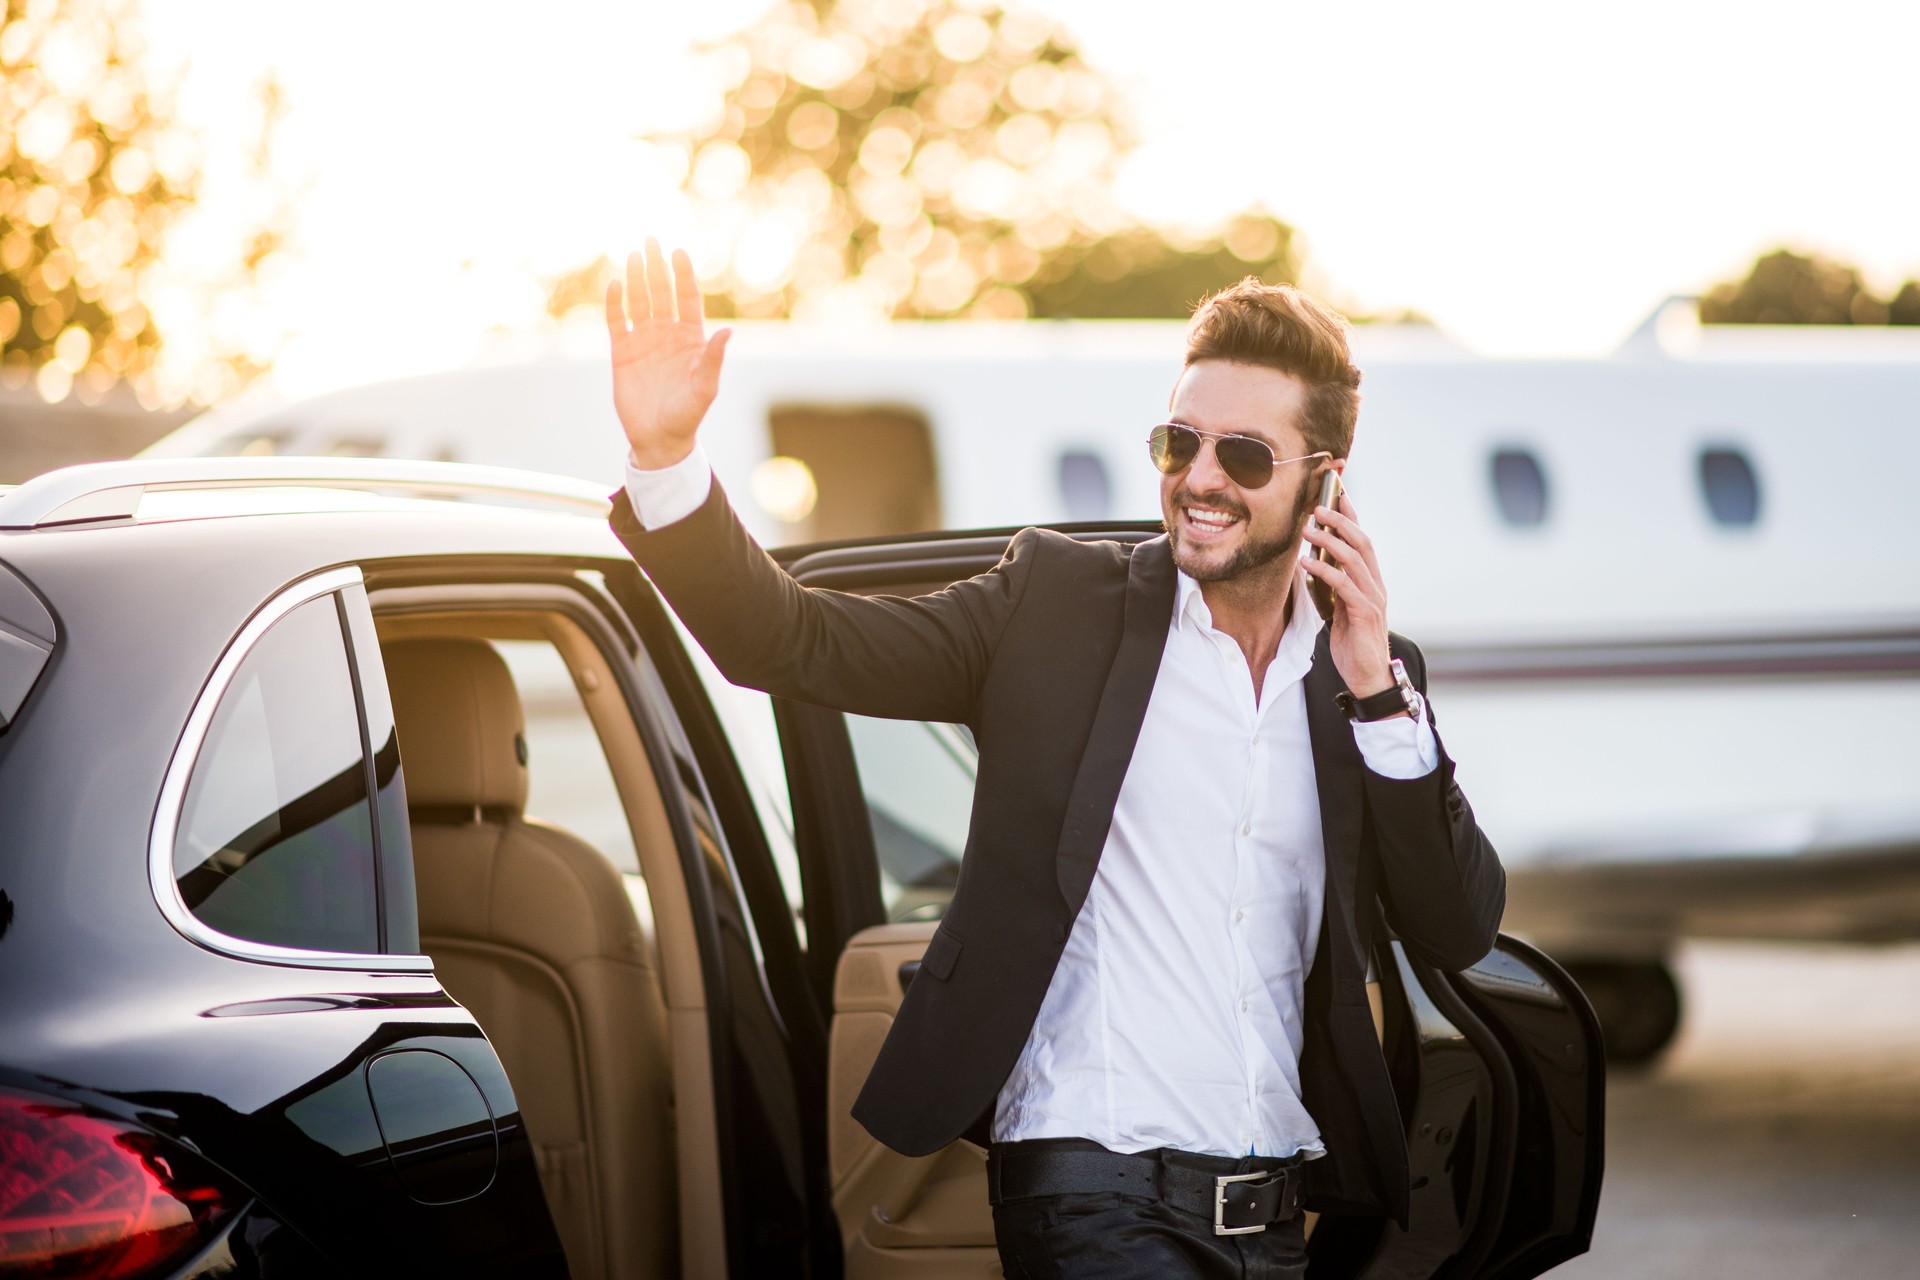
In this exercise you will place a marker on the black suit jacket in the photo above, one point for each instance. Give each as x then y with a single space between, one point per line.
1050 659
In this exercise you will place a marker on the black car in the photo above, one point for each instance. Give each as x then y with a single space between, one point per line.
292 981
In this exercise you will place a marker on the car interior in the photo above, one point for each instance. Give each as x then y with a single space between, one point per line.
556 910
549 944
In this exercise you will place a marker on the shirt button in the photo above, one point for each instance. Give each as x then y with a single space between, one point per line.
1243 1006
1239 916
1246 828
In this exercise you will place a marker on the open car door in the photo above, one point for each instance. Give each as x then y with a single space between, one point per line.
1498 1070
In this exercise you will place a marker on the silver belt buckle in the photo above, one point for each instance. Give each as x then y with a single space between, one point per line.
1220 1227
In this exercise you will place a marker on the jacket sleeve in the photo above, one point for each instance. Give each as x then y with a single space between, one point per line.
923 658
1442 884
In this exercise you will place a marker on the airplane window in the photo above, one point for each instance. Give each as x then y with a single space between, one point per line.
1731 488
1519 487
1084 485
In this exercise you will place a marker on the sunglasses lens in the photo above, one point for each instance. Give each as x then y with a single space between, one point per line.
1173 448
1248 463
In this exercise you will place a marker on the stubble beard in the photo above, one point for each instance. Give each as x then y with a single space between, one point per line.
1255 556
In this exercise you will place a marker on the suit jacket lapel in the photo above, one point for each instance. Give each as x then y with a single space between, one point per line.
1338 776
1116 725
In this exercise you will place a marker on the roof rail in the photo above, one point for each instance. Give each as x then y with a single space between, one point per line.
100 491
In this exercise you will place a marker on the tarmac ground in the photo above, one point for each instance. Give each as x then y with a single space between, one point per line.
1780 1135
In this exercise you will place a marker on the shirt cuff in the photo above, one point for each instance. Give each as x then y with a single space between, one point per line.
670 494
1401 748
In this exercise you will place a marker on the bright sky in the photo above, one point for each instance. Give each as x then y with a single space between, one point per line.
1536 177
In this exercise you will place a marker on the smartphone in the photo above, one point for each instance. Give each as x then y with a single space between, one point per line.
1322 593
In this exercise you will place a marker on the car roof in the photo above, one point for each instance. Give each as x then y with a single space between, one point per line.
254 523
101 492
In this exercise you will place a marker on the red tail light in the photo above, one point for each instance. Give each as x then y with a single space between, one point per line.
85 1196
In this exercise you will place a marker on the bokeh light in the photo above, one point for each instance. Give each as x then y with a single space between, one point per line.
885 159
785 489
96 177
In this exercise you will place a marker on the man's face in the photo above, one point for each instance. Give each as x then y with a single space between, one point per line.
1219 530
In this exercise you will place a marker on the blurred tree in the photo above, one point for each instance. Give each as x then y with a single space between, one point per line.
1784 287
1904 308
94 171
921 158
1142 272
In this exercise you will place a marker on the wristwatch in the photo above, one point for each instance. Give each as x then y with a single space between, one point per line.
1388 702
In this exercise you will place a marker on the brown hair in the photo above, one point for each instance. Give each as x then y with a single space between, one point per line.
1278 326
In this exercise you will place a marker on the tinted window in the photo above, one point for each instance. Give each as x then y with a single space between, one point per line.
276 835
918 779
1731 488
1519 487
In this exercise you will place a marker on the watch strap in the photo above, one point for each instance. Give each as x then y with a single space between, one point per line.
1388 702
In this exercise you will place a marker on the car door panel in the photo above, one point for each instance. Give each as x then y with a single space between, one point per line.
418 1176
1551 1038
899 1215
1453 1075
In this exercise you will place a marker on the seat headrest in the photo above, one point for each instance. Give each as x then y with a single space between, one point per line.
458 716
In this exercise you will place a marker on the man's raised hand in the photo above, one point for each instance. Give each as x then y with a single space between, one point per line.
665 368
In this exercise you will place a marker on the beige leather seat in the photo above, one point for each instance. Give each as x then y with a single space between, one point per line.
533 932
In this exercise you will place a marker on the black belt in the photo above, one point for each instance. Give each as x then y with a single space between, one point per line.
1237 1196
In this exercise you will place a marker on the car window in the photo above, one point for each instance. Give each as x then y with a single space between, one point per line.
275 842
746 715
393 835
569 782
918 779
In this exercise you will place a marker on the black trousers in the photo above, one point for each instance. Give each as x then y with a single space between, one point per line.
1108 1236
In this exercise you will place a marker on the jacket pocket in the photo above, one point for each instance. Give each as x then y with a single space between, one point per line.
943 952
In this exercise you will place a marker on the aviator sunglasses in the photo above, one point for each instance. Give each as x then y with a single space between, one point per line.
1249 463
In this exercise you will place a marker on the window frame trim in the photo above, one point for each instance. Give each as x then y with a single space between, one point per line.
186 754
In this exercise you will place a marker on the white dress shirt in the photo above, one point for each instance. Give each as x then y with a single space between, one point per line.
1176 1015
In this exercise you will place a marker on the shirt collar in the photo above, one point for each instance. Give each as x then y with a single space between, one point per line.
1303 624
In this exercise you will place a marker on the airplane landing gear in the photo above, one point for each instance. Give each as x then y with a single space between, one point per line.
1637 1002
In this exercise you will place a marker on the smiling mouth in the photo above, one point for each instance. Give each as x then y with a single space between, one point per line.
1208 519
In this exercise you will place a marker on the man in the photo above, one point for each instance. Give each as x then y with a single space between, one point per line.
1195 804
